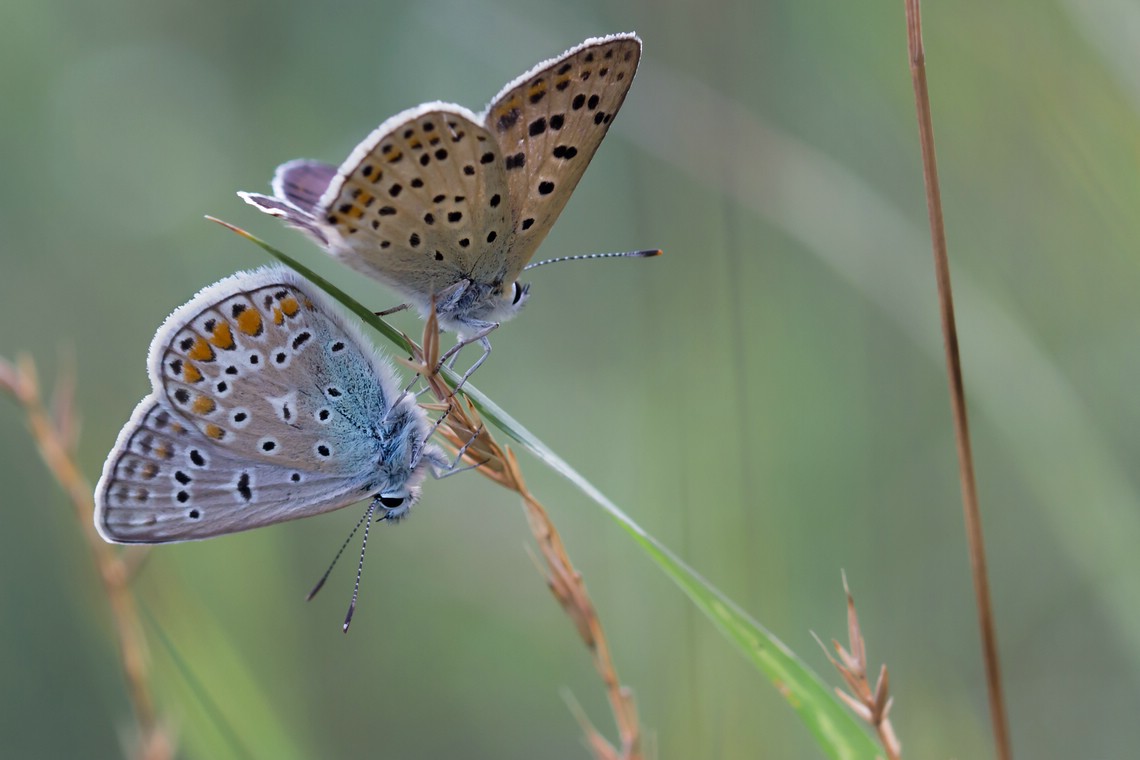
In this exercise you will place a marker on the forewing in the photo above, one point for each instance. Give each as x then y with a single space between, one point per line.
263 366
166 481
419 200
548 124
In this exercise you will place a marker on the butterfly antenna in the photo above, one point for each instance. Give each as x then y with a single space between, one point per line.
648 253
360 566
343 546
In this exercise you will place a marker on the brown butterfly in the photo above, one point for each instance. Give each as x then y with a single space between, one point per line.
441 203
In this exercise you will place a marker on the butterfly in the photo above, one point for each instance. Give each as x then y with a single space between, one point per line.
267 405
443 204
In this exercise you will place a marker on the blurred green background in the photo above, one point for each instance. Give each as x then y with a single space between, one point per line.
767 399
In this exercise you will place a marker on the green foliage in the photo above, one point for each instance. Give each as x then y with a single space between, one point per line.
832 724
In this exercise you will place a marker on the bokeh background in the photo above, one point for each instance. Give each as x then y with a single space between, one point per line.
767 399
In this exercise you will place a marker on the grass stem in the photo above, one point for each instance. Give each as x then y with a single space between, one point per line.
972 512
55 438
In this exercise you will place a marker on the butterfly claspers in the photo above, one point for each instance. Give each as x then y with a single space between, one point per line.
439 202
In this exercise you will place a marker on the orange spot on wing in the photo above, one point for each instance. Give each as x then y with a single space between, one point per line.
149 470
223 337
190 373
290 306
214 431
163 451
278 316
203 405
201 351
249 322
538 89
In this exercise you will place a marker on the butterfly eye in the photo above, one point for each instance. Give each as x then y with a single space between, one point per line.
392 502
519 291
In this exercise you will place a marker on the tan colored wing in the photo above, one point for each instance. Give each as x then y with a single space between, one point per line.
419 200
549 122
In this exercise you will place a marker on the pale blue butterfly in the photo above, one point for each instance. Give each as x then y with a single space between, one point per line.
267 405
447 206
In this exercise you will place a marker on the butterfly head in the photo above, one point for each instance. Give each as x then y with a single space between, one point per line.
404 457
394 506
402 483
472 306
507 301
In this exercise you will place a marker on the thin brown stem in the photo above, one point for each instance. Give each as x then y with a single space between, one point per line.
973 520
54 438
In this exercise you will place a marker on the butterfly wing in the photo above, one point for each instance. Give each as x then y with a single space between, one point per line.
297 186
302 182
548 123
267 407
437 195
165 481
419 200
263 354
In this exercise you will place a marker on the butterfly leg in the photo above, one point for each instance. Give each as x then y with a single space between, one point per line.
486 344
410 385
485 329
450 354
407 390
456 471
463 450
393 310
442 468
396 407
481 331
437 423
437 459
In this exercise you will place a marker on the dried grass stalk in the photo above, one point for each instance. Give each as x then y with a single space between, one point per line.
871 703
55 433
971 510
500 465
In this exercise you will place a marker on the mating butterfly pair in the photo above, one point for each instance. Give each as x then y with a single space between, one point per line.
267 403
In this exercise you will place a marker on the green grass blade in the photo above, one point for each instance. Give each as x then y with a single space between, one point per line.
837 731
839 734
214 713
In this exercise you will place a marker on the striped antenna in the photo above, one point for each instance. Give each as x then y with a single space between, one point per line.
584 256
